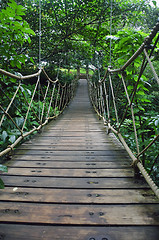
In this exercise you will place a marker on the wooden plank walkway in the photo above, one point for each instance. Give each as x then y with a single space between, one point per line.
72 181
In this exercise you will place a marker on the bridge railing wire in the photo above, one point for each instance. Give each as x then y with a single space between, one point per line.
23 118
106 97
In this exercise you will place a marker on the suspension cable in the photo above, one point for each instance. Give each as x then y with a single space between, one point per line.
111 12
39 54
110 50
99 77
39 33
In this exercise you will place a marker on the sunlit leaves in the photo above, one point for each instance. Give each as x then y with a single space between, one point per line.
14 32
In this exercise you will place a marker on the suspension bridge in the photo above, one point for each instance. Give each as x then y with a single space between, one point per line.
75 179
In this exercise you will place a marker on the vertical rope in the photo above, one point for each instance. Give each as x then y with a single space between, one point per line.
39 53
132 113
111 10
97 57
40 33
110 56
113 96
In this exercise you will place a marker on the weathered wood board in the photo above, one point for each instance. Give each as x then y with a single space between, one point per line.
35 232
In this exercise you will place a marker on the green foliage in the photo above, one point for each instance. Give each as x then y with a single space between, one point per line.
8 131
126 43
73 30
2 169
14 33
65 77
145 103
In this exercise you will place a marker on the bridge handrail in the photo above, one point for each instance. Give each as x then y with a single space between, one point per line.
101 103
62 97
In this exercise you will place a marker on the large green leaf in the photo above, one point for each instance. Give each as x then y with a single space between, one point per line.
4 135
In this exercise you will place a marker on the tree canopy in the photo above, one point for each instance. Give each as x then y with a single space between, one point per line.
72 31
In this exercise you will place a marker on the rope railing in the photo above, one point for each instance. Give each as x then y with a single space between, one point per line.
52 98
114 116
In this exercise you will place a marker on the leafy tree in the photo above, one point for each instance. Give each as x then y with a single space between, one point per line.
68 24
14 33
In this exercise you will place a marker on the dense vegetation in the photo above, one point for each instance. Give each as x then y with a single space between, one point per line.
146 101
75 34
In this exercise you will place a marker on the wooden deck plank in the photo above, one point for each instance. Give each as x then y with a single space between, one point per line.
67 140
82 183
147 214
74 134
105 152
31 232
62 147
104 196
67 164
72 158
69 172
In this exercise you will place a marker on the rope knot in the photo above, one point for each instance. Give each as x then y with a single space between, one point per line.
10 146
135 162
